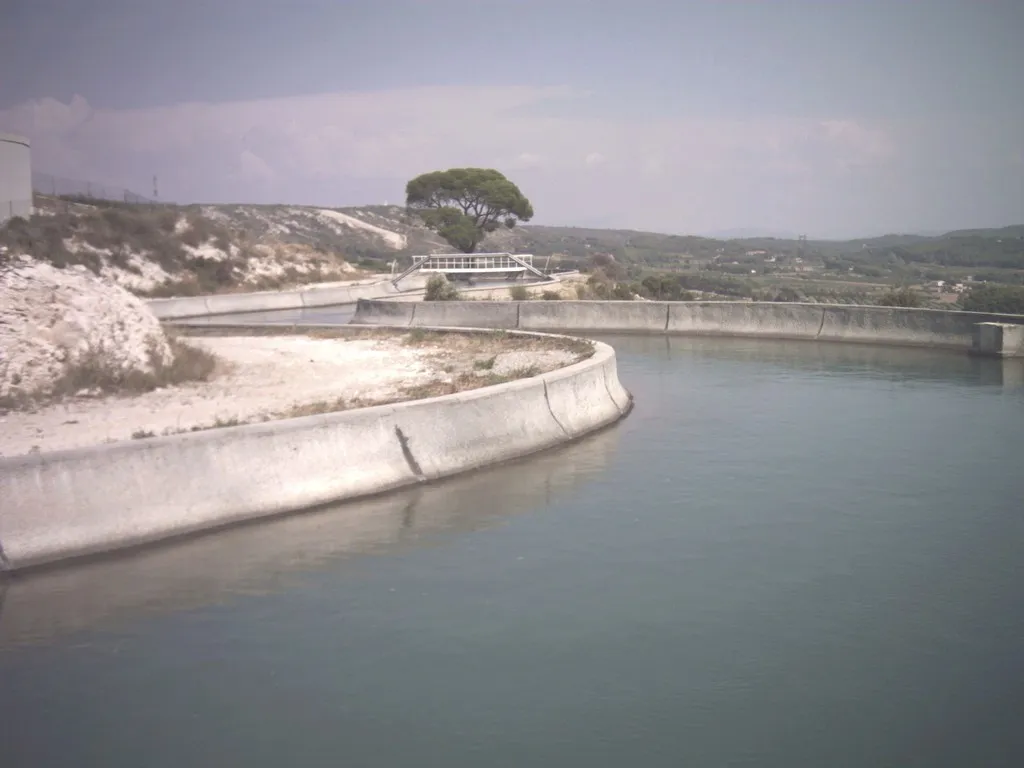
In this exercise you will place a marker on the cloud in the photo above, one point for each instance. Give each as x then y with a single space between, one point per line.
525 160
345 148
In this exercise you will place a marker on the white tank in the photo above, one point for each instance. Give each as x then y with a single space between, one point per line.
15 177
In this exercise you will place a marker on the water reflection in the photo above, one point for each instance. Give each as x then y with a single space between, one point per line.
269 555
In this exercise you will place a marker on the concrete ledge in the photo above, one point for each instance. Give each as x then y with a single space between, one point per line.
73 503
894 325
621 316
729 318
172 309
466 314
398 313
262 301
824 322
998 339
198 570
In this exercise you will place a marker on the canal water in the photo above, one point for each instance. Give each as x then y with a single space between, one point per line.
790 554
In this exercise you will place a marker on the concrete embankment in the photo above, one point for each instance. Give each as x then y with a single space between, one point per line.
65 504
265 301
197 571
823 322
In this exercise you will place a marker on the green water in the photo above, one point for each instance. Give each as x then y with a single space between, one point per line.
789 555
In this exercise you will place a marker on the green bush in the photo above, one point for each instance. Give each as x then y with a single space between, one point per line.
904 297
439 289
1008 299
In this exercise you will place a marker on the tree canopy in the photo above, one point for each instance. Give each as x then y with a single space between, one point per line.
464 204
995 298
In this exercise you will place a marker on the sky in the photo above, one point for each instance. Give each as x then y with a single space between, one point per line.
830 118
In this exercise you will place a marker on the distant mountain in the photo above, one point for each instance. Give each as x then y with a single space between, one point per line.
225 247
747 233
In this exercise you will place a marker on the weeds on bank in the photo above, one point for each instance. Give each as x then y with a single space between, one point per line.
469 343
294 412
481 375
465 382
92 373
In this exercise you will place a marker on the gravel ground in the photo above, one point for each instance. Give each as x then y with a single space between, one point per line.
278 376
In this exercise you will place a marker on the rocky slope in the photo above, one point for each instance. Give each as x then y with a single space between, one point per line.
67 330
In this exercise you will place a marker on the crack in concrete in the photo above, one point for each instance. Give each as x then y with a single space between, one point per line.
519 309
668 315
820 327
414 465
412 316
5 564
552 411
608 389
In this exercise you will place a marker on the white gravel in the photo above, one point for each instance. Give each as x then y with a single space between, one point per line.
258 377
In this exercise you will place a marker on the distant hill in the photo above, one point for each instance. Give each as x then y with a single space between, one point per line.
751 233
165 249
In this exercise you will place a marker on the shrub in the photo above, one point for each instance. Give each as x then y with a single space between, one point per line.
93 371
1007 299
518 293
439 289
904 297
551 296
622 292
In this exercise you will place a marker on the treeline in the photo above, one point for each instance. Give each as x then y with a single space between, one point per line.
998 249
674 286
967 252
1007 299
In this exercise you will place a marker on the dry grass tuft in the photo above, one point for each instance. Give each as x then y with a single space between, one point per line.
93 374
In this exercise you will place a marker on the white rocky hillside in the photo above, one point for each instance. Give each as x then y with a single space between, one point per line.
65 330
73 277
157 251
166 250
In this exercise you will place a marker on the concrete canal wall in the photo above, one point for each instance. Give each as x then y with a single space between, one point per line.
264 301
823 322
65 504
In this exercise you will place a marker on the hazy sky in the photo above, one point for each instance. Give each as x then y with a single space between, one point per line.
833 118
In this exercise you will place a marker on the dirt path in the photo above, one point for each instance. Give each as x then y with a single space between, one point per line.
264 377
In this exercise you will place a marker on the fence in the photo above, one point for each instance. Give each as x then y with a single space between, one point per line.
76 189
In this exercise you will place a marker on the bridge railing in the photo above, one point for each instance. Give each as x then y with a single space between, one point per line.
470 263
443 262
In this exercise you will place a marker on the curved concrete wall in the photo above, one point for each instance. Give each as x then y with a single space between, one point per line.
825 322
64 504
15 177
199 570
262 301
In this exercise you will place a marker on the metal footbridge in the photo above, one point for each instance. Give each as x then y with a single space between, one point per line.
512 265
